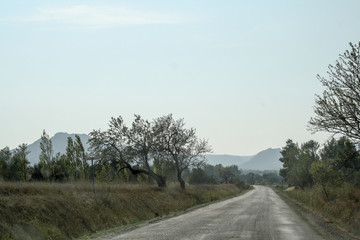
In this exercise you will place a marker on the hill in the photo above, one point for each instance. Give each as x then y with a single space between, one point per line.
227 160
264 160
59 141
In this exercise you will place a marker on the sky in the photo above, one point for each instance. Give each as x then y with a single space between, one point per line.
243 73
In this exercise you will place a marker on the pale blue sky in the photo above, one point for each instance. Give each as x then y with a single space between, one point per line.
243 73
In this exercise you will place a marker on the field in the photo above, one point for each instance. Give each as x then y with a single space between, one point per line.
69 210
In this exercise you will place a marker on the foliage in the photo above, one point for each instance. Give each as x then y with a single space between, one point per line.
154 148
219 174
297 162
46 155
125 148
14 165
180 145
338 109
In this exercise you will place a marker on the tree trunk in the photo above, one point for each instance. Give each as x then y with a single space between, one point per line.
181 181
160 180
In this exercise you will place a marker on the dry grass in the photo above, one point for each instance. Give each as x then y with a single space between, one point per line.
342 207
65 211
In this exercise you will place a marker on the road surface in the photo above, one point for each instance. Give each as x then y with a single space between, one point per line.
258 214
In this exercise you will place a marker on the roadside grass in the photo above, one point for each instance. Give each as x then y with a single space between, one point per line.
70 210
342 207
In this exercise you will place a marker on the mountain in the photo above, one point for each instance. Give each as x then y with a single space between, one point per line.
227 160
264 160
59 141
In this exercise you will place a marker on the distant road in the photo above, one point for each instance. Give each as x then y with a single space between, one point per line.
258 214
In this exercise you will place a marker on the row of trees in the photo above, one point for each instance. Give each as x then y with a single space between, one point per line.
14 165
219 174
337 163
146 151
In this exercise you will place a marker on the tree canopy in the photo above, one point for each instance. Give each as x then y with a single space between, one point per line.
338 109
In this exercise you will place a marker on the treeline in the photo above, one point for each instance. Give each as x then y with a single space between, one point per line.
336 164
219 174
14 165
145 152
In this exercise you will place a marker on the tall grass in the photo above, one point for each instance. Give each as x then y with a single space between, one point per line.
65 211
342 207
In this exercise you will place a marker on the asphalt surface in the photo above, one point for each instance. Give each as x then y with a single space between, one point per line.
258 214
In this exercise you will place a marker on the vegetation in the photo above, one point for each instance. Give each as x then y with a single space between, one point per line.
337 110
328 179
219 174
163 141
52 200
64 211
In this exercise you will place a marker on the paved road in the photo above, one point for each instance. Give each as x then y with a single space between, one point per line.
258 214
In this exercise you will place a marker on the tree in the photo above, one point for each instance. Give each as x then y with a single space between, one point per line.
5 158
80 157
338 109
297 162
130 149
19 163
143 141
226 174
343 158
180 144
199 176
59 169
70 162
324 175
46 155
290 154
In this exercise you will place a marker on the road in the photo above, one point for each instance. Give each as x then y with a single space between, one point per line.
258 214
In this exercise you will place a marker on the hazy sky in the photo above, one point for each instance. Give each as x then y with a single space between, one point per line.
243 73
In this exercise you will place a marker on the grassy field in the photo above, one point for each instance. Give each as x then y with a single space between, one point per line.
65 211
342 207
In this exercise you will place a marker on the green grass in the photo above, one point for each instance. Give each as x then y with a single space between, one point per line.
342 207
70 210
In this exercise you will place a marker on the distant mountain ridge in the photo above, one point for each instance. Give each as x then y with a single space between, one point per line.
59 141
227 160
264 160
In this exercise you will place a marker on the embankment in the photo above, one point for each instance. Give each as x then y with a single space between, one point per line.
341 210
65 211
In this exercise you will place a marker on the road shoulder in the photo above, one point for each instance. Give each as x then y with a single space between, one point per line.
110 233
319 223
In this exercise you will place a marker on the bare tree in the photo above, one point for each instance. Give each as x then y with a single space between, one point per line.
338 109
